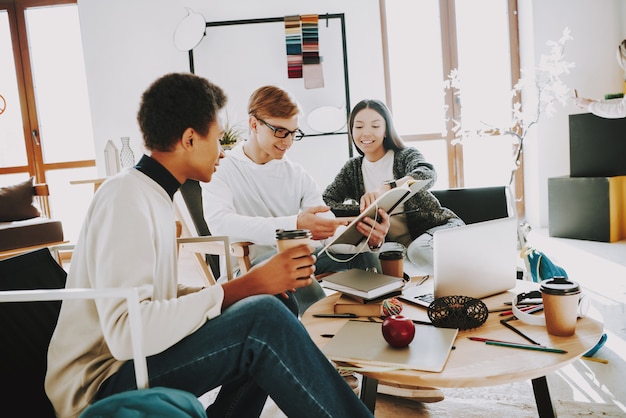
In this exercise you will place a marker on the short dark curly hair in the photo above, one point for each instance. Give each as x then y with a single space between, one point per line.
175 102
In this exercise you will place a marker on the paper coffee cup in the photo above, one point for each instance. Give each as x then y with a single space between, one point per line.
560 305
290 238
391 258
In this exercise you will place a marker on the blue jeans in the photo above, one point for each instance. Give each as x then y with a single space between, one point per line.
254 349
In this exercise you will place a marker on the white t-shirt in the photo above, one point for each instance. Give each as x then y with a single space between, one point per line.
374 174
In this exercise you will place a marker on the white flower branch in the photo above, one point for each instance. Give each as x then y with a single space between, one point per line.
550 89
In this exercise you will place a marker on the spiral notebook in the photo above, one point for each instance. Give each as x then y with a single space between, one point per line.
388 201
362 343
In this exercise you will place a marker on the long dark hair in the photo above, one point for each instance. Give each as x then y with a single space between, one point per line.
392 139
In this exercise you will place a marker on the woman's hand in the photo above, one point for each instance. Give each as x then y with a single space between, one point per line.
369 197
375 230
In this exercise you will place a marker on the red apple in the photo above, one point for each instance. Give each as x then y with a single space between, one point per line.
398 331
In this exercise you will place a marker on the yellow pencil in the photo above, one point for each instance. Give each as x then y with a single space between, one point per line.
599 360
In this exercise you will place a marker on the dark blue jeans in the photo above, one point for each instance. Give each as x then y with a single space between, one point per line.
254 349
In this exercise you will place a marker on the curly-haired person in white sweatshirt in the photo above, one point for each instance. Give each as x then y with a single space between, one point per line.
237 334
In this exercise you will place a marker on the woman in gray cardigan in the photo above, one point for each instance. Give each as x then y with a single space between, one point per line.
386 162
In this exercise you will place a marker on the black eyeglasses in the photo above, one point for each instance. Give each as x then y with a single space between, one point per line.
282 132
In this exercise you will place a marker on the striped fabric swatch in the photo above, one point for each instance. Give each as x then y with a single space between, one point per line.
310 40
312 65
293 38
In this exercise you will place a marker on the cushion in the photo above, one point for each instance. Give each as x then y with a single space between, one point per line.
16 202
29 232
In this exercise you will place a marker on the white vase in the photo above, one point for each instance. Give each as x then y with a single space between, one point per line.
127 157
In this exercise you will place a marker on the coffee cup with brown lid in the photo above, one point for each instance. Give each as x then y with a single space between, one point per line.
561 298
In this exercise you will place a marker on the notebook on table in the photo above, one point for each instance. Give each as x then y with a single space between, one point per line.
363 285
475 260
363 343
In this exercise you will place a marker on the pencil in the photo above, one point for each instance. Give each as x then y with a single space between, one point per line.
499 341
599 360
526 347
517 331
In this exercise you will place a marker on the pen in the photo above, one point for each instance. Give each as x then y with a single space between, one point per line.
499 341
527 309
415 321
422 280
335 315
526 347
518 332
402 213
499 310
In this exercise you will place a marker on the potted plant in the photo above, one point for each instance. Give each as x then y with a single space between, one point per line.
232 132
232 135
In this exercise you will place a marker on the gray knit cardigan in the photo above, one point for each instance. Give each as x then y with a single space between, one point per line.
428 215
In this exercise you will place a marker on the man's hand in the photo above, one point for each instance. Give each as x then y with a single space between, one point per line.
320 227
287 270
378 230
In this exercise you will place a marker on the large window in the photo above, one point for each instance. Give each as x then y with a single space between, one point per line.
423 42
45 130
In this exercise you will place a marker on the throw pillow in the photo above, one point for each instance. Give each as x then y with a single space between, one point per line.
16 202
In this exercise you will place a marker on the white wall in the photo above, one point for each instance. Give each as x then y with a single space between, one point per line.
597 29
129 43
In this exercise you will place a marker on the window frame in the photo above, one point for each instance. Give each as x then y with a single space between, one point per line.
18 29
449 62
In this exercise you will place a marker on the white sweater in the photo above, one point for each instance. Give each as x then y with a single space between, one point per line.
127 240
249 201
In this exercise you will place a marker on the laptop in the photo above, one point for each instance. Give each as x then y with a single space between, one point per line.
476 260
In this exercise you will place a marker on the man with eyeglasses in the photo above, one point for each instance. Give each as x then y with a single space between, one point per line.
258 190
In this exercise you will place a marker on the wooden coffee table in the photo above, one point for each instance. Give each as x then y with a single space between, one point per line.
473 363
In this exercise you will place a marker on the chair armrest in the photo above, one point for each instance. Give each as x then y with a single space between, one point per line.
132 299
219 245
240 249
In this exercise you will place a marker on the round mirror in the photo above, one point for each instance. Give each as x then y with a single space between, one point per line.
327 119
189 31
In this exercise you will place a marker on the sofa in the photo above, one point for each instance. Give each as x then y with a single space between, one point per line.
24 223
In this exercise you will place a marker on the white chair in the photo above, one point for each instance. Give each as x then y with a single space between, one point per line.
194 234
